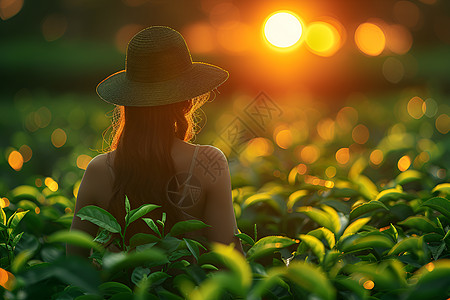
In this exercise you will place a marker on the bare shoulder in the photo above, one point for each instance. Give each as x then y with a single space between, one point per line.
212 165
96 180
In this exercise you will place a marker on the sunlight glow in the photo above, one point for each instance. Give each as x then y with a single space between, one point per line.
322 38
283 29
15 160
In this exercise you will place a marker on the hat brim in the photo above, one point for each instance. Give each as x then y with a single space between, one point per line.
197 80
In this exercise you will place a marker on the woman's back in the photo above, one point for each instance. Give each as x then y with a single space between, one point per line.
200 187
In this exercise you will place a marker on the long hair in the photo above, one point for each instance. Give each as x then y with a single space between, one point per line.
142 138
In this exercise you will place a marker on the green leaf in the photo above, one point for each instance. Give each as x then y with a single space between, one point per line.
408 176
141 211
324 233
113 262
261 198
193 248
16 239
103 236
14 220
20 260
370 206
357 242
75 237
187 226
390 194
295 197
354 227
333 217
366 187
110 288
127 205
26 192
268 245
442 205
236 263
142 239
432 281
246 238
163 219
443 188
420 223
99 217
150 223
317 216
407 244
2 216
314 244
311 279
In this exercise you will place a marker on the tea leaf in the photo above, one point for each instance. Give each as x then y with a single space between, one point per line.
366 208
14 220
142 239
246 238
317 216
111 288
408 176
262 198
187 226
2 216
193 248
113 262
99 217
354 227
127 205
152 225
442 188
75 237
442 205
357 242
333 217
141 211
433 280
324 233
310 279
268 245
390 194
315 244
408 244
420 223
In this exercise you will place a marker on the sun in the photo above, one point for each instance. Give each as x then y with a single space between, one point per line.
283 29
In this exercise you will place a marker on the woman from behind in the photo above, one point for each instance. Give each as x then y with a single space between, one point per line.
150 159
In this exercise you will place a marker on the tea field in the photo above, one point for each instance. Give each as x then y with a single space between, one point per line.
333 201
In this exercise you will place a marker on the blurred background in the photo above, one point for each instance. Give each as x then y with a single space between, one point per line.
367 79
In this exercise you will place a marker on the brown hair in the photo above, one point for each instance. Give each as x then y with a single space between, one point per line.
142 138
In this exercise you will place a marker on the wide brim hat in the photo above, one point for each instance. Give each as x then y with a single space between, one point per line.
159 70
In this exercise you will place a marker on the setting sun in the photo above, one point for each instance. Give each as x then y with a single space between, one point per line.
283 29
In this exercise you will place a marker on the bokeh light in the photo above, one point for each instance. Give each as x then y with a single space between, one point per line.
26 152
325 129
83 160
309 154
15 160
283 29
416 107
347 117
404 163
376 157
51 184
398 39
431 107
443 123
368 284
393 70
54 26
10 8
370 39
58 138
259 147
343 156
330 171
284 138
360 134
322 38
407 13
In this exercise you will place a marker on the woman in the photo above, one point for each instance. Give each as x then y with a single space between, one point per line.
151 160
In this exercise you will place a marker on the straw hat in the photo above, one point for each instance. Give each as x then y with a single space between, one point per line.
159 70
